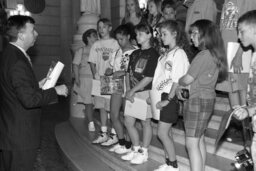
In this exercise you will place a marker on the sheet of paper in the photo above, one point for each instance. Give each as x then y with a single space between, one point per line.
53 76
137 109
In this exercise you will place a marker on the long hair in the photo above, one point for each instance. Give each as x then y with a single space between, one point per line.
210 38
137 10
181 38
145 27
158 4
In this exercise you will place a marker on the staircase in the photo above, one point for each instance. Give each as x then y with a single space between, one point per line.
75 142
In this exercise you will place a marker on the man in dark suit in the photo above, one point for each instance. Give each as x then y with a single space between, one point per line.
21 98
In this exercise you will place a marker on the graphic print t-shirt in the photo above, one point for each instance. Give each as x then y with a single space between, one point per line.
100 54
120 60
142 64
170 68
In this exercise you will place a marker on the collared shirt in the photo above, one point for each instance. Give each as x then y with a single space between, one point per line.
23 51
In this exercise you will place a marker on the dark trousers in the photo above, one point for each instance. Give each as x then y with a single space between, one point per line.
18 160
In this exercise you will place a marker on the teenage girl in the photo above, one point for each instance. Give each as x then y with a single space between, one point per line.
155 17
170 68
140 75
207 67
119 62
133 15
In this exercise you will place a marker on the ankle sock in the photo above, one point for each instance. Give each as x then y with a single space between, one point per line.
104 129
121 141
136 148
145 150
128 144
113 131
172 163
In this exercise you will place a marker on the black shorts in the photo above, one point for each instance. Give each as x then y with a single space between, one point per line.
169 113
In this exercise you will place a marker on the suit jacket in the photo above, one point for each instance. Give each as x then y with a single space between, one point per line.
21 100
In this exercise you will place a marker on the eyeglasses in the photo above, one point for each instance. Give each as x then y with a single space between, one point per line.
194 33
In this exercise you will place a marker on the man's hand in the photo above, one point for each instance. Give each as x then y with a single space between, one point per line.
241 113
41 82
62 90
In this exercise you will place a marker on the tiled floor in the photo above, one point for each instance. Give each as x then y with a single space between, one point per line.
49 157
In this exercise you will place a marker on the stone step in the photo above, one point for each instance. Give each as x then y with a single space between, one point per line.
78 155
75 142
214 162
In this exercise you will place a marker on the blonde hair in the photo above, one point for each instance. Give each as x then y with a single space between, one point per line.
137 10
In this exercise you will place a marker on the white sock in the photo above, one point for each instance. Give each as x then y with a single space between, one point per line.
104 129
113 131
136 148
145 150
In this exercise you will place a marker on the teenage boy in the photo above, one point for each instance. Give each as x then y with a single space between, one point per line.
247 36
169 10
99 61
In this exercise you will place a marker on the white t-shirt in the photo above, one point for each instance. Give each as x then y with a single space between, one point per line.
170 68
119 60
101 53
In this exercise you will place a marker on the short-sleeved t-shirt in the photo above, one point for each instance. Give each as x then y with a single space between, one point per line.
170 68
100 54
81 59
142 64
205 73
120 60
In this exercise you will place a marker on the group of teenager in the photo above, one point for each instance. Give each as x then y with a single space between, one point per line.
155 54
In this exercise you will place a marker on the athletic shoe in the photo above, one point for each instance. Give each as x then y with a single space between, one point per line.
103 137
122 150
166 167
113 149
129 156
91 127
111 140
140 157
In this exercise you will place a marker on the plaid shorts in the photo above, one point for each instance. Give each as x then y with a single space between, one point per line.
197 113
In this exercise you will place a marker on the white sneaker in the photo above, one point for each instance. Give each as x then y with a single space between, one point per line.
111 140
113 149
161 168
166 167
103 137
140 157
129 156
91 127
122 150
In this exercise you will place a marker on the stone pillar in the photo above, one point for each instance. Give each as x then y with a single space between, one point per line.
90 10
88 20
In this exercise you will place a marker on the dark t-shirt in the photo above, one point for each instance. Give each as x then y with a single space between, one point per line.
142 64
